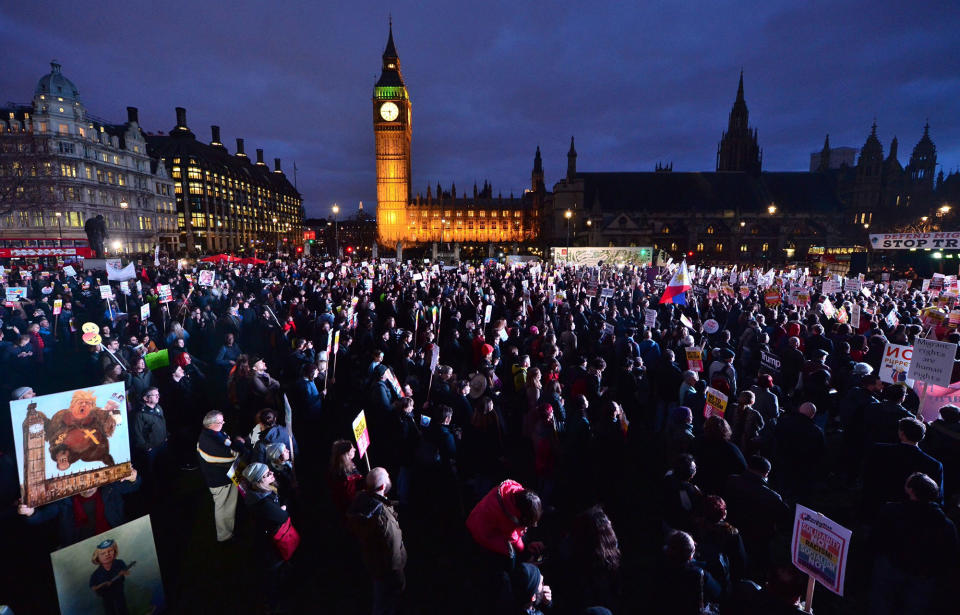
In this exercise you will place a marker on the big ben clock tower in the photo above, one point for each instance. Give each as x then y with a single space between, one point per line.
392 131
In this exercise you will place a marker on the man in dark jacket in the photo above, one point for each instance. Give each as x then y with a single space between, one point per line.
148 436
882 419
800 450
889 465
374 521
917 549
859 402
217 455
755 509
942 442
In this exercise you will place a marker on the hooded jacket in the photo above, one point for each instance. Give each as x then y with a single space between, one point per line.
495 526
374 521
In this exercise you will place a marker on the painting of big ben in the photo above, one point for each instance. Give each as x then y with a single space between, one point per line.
70 442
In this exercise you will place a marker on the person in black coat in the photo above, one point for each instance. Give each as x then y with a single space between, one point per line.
681 499
755 509
856 405
882 419
269 516
86 514
683 585
889 465
942 442
917 551
717 457
800 446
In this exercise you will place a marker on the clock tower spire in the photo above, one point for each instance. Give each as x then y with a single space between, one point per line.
392 135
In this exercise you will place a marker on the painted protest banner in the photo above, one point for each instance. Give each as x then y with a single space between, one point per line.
206 277
935 397
828 309
57 306
716 403
744 291
694 359
360 434
932 362
770 362
70 442
895 364
123 571
820 547
164 293
106 292
145 311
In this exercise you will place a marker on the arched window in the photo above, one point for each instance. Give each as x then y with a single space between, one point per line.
710 230
718 247
766 247
673 247
743 247
665 230
699 247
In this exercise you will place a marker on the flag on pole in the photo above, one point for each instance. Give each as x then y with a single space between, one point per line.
678 286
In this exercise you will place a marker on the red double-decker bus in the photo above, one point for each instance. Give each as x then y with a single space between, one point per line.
43 247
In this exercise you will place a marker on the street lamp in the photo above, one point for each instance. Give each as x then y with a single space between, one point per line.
568 214
276 235
59 227
772 209
336 230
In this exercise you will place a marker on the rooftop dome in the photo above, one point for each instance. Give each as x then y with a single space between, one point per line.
55 84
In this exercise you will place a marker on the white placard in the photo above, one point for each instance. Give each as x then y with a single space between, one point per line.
932 362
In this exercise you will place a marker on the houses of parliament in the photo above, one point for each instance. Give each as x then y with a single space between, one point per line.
739 212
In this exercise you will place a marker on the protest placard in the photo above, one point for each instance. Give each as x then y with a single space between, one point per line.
206 277
855 317
360 434
70 441
819 548
770 362
772 297
158 359
895 364
125 557
711 326
145 311
716 403
16 293
106 292
69 270
487 314
164 293
686 322
932 361
57 306
649 318
694 359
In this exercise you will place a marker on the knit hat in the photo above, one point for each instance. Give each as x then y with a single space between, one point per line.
254 472
525 580
862 369
19 392
275 452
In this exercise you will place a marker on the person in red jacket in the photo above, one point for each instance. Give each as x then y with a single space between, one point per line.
499 521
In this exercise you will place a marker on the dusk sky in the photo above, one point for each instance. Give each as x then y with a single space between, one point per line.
636 83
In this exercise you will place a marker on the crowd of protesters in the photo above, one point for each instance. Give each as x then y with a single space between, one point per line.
539 440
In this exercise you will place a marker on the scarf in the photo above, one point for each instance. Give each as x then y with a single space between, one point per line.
80 517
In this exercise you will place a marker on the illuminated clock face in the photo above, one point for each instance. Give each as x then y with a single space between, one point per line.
389 111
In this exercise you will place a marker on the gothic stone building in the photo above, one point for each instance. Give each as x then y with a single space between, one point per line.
443 216
741 212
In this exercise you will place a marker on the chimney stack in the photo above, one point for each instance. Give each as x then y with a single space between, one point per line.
181 117
276 166
215 135
260 157
240 148
132 115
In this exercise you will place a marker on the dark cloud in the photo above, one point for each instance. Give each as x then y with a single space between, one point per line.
636 83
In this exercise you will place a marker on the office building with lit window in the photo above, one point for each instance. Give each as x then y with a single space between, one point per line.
226 202
60 166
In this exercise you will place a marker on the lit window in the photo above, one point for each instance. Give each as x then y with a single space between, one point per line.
700 246
743 247
718 247
666 231
766 247
710 230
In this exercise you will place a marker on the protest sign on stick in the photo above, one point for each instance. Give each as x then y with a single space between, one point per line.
362 436
819 547
716 403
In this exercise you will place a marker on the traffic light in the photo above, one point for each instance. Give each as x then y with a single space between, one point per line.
349 249
299 249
